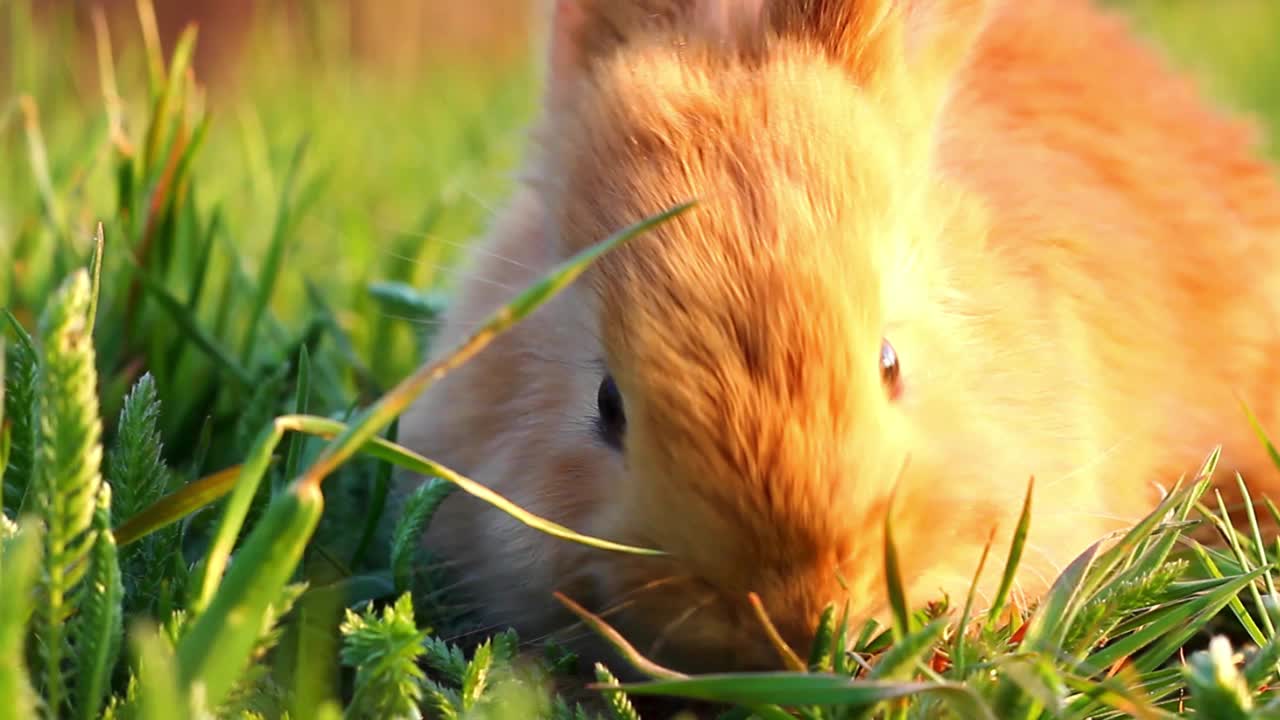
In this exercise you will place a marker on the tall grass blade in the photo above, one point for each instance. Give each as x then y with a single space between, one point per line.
164 106
187 322
893 581
218 645
275 254
300 405
95 276
1016 547
234 514
399 398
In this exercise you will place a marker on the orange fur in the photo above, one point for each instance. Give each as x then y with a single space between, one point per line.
1071 252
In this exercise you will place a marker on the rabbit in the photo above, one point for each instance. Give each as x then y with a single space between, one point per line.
938 249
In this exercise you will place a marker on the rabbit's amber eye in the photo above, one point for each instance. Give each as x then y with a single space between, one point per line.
889 370
611 419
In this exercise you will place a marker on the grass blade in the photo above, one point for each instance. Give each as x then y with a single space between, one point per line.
95 269
1047 628
382 486
235 512
187 322
962 631
177 505
399 398
893 581
807 689
217 646
1016 547
300 405
275 253
405 458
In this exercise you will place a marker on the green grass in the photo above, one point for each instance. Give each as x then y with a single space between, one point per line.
200 399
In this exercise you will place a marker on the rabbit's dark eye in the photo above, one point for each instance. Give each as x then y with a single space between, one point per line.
611 418
889 370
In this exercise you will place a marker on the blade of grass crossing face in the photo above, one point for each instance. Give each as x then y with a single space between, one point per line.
398 399
405 458
219 644
618 642
192 497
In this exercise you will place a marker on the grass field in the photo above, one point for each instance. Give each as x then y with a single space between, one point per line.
270 257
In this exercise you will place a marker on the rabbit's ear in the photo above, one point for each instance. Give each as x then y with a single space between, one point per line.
939 34
879 39
583 31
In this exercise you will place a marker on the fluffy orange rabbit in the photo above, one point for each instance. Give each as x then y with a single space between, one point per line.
940 247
